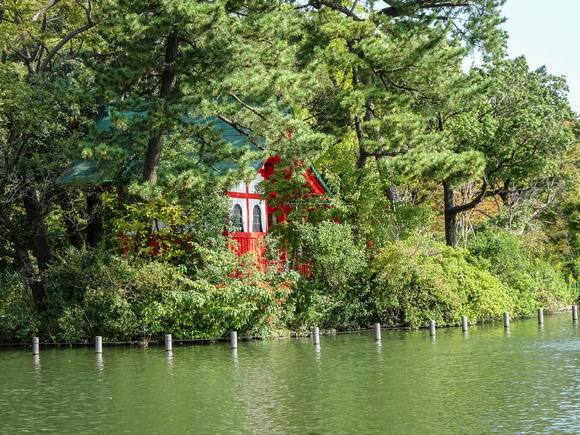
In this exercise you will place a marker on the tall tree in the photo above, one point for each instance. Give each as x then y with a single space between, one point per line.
384 74
40 118
516 129
180 64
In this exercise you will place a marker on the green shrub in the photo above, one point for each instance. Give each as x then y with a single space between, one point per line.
532 281
18 318
417 280
332 293
124 298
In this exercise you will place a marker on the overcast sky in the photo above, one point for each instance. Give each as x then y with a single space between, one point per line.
547 32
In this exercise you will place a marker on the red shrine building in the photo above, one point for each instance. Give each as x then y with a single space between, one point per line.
252 217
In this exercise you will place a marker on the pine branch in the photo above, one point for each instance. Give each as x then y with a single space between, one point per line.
317 4
250 108
43 10
436 5
474 203
239 128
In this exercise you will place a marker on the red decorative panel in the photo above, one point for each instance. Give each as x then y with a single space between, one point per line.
249 242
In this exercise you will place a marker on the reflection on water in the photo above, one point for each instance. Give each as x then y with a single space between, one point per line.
490 381
100 364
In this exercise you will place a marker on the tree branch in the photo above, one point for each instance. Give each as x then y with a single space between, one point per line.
43 10
250 108
317 4
398 12
239 128
69 36
478 199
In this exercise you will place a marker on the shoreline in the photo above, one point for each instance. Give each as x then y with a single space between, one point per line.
280 336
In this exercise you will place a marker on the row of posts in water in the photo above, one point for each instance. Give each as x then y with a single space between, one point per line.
316 332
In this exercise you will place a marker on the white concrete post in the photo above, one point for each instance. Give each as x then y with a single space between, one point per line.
506 319
377 331
234 339
316 336
35 346
432 328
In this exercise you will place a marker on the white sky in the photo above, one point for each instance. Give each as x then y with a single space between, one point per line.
547 33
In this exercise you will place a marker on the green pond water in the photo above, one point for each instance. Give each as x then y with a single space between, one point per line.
489 381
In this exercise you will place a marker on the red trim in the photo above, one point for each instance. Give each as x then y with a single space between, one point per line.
240 235
243 195
248 228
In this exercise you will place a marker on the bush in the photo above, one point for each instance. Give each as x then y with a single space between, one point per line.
332 293
18 319
417 280
532 281
122 298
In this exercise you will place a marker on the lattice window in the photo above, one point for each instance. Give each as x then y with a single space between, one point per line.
257 220
236 218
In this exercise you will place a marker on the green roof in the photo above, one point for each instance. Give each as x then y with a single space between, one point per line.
92 171
96 171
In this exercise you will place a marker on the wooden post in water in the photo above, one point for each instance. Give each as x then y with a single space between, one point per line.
464 323
540 316
234 339
506 320
432 328
35 346
377 331
574 313
316 336
168 343
98 344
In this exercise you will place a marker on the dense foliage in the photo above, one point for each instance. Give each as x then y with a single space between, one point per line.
421 153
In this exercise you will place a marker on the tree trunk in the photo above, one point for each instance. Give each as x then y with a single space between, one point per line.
168 82
24 264
505 193
71 223
152 158
450 216
393 194
95 232
41 244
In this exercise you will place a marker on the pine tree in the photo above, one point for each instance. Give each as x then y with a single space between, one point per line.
383 75
182 64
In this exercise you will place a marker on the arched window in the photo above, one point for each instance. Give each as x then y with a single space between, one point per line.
236 218
257 220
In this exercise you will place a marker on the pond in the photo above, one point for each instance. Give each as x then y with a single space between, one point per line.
489 381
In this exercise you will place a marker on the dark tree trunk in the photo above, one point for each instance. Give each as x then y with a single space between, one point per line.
505 193
393 194
168 82
24 264
152 158
450 216
40 242
95 232
71 223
